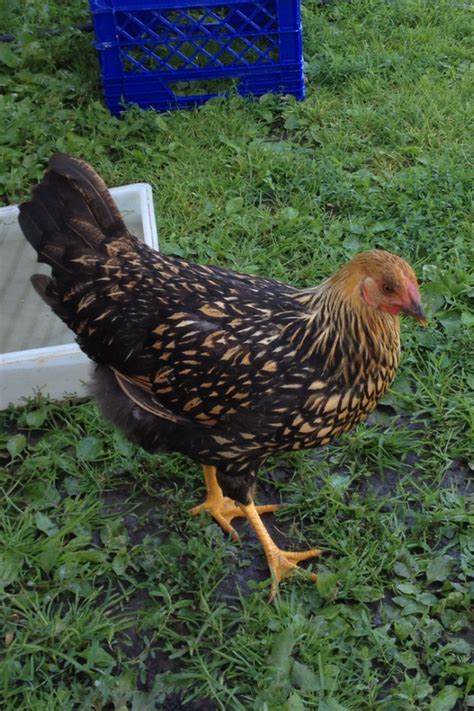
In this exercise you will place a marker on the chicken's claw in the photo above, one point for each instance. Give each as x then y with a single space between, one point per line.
281 563
221 508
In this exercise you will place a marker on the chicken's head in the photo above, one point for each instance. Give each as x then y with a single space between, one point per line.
382 280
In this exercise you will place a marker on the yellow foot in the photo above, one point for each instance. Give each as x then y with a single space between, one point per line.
223 510
283 563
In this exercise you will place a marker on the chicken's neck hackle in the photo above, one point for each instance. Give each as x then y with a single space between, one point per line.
354 338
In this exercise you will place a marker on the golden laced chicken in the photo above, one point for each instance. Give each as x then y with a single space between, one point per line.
224 367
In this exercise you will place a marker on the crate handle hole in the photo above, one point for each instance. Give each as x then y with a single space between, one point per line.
203 87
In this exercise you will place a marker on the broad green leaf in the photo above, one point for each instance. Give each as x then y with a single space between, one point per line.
234 205
414 608
98 658
431 630
401 600
365 593
37 417
427 599
430 272
143 701
161 123
454 620
382 227
331 705
439 568
326 583
409 659
352 243
294 703
113 534
467 318
40 497
451 322
404 385
446 699
401 569
16 444
44 523
422 688
71 486
124 447
304 678
231 144
356 228
292 122
405 566
89 448
121 562
290 213
8 57
266 114
403 629
174 249
49 555
335 232
332 611
280 655
433 297
460 646
408 589
10 566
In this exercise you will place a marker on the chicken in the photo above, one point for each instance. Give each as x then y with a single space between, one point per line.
224 367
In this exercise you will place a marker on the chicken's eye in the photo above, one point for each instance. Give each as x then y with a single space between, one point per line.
388 289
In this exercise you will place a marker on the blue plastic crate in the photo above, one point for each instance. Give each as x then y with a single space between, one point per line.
169 54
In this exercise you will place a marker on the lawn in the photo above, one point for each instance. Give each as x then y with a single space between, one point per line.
111 595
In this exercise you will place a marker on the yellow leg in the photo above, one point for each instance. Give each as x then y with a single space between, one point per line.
221 507
281 563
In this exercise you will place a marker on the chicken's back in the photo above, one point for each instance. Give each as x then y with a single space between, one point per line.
111 289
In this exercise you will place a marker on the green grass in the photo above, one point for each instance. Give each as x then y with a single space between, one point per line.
112 597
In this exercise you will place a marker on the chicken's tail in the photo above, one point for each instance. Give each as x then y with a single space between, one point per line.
75 226
71 215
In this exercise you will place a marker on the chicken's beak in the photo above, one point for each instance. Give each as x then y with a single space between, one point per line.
416 310
414 307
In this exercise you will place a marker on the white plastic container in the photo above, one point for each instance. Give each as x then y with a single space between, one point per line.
37 351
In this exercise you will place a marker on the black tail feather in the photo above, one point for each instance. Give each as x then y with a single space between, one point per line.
92 187
75 227
41 283
44 287
71 212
